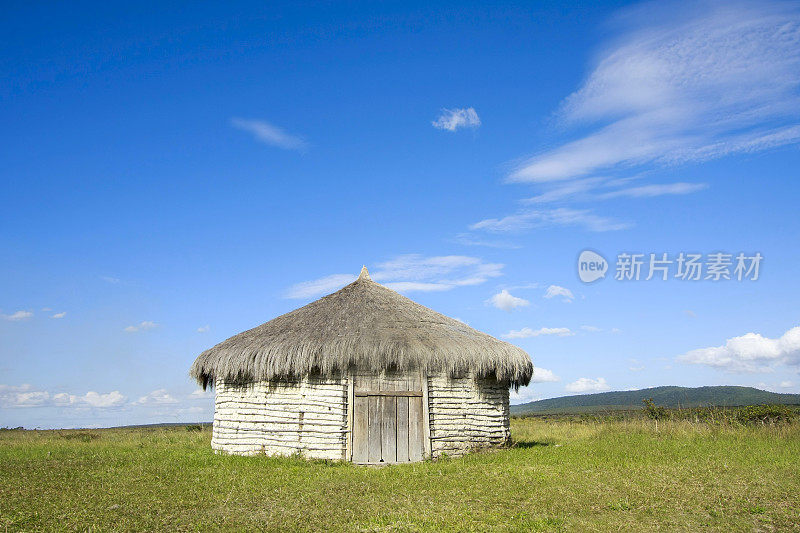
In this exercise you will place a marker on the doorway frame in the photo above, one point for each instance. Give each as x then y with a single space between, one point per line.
426 415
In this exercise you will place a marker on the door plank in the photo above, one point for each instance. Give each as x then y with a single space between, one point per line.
374 431
415 429
389 429
361 430
402 429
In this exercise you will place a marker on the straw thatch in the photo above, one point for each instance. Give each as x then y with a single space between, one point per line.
364 325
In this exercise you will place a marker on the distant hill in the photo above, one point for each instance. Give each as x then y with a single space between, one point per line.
662 396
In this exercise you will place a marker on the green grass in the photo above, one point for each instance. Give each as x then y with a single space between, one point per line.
561 475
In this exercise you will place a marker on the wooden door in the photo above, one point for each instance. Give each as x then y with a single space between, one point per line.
388 418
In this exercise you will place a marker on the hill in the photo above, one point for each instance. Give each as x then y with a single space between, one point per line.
668 396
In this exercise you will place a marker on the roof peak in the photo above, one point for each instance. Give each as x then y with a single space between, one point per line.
364 273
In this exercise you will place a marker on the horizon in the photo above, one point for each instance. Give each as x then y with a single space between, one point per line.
611 187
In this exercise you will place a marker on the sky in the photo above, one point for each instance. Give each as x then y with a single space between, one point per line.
174 175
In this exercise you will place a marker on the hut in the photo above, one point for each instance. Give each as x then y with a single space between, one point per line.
363 375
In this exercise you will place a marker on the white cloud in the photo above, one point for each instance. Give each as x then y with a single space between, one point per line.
587 385
525 333
592 329
690 313
25 396
22 396
267 133
786 384
157 397
542 375
683 84
109 279
199 394
141 326
555 290
17 316
408 273
453 119
750 352
203 329
541 218
90 399
59 315
505 301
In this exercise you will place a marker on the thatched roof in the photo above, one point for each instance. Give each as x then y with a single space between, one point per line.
366 325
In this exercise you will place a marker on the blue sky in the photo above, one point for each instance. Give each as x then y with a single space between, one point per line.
172 177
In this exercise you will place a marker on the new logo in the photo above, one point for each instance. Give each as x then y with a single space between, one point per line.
591 266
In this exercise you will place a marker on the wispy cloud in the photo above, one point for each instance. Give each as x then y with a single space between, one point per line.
203 329
270 134
506 301
469 239
525 333
677 84
750 352
141 326
453 119
587 385
410 273
556 290
595 189
59 315
636 365
316 287
683 84
17 316
650 191
541 218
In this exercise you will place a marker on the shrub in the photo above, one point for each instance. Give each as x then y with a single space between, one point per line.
654 411
766 414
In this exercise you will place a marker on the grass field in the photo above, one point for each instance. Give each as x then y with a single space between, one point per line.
561 475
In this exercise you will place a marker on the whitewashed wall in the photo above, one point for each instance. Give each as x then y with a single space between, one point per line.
466 413
307 416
